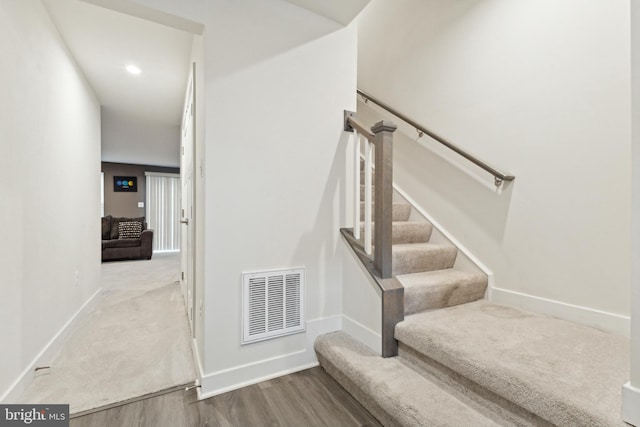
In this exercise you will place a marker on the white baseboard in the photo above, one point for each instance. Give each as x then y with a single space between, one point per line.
609 322
13 393
366 336
631 405
241 376
198 363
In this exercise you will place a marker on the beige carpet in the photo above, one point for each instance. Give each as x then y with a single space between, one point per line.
567 374
485 364
135 342
393 393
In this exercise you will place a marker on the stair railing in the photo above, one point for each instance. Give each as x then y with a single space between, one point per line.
379 141
498 175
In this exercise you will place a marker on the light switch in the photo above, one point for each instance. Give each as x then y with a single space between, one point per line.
141 204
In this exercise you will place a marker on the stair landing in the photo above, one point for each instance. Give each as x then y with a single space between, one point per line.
503 365
566 373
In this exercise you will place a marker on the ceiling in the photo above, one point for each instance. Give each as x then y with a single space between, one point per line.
103 42
141 114
341 11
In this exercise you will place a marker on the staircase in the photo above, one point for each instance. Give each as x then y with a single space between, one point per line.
426 269
463 361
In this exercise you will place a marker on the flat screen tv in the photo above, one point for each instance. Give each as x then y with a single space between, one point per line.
125 184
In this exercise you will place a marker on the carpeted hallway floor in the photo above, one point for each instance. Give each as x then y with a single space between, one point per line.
135 342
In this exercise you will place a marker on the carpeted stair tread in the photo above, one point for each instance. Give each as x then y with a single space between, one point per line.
406 232
567 374
400 212
420 257
389 389
440 288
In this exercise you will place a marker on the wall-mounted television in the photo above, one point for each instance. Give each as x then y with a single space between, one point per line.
125 184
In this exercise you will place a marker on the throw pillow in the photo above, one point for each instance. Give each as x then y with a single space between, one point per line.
129 230
116 220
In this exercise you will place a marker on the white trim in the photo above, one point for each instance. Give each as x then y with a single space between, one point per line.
54 345
631 404
356 195
168 175
219 382
198 363
368 202
366 336
486 270
603 320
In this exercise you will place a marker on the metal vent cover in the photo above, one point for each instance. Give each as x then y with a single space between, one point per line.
272 304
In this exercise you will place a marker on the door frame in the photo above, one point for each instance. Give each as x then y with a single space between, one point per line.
188 201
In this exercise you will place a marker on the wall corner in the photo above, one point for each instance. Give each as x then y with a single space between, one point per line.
631 404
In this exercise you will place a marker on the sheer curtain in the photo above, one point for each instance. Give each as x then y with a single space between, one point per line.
163 210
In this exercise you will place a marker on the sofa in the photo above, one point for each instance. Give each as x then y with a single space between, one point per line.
126 238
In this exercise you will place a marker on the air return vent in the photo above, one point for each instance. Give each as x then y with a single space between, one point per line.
272 304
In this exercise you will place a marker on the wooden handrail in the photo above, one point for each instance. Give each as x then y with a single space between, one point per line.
499 176
359 126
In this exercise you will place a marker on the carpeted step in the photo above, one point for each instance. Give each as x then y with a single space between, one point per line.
420 257
400 212
440 288
564 373
406 232
394 393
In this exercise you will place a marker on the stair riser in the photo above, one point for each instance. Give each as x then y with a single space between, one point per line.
487 401
405 232
447 295
417 261
361 396
392 391
401 212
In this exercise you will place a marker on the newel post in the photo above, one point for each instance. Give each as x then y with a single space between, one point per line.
383 204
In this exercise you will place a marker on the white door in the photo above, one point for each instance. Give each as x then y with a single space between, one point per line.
187 203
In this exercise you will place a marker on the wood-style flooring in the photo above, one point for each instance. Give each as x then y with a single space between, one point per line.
305 399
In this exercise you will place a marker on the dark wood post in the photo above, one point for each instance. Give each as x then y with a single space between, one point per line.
383 201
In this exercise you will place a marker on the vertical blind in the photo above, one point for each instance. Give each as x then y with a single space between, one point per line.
163 210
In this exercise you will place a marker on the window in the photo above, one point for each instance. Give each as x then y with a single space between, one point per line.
163 210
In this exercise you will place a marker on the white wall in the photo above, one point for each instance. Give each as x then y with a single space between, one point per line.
361 301
273 170
275 163
631 391
128 140
540 89
50 169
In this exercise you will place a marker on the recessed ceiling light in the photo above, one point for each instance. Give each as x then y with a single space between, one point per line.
133 69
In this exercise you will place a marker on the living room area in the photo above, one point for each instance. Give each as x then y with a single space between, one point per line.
140 211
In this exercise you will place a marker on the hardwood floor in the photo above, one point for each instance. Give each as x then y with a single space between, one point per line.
308 398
